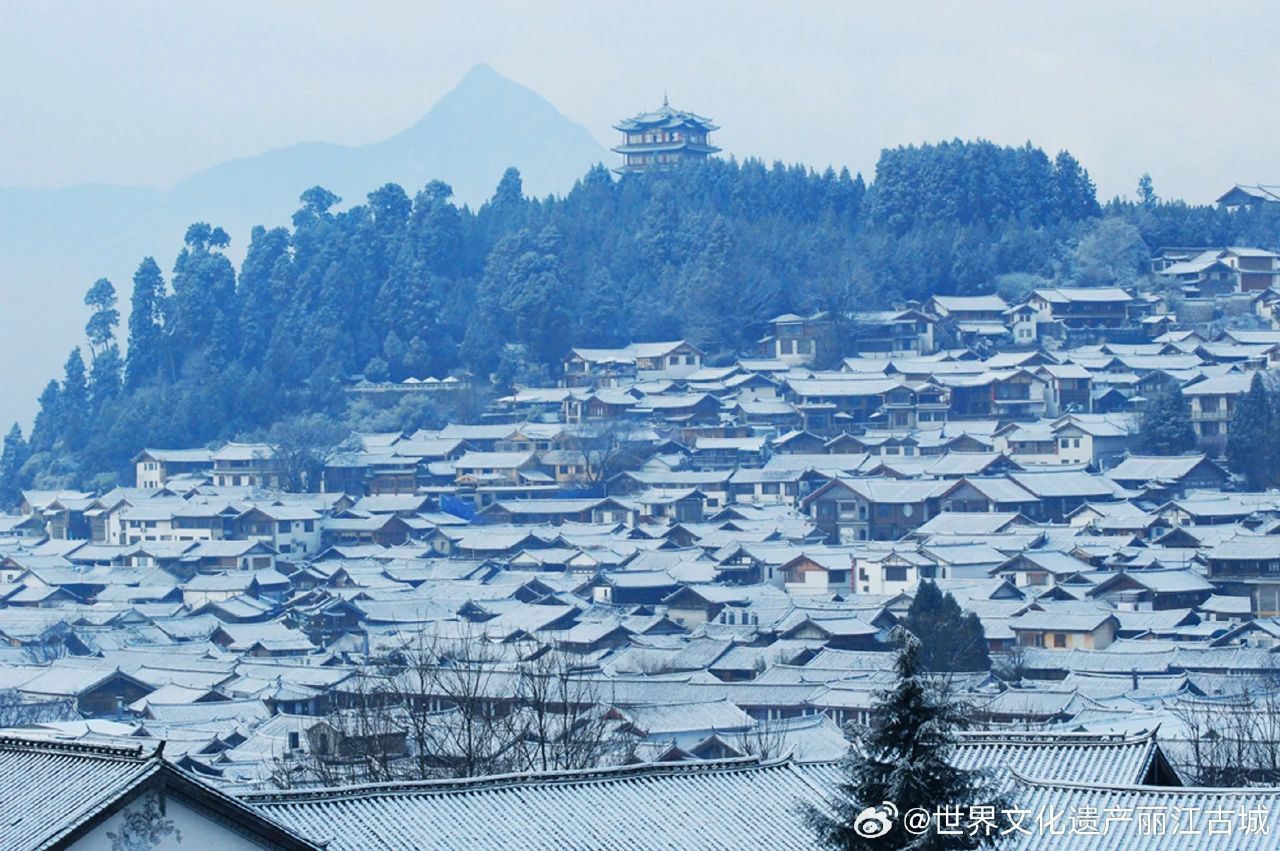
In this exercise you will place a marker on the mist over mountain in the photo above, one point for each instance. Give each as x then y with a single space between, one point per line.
56 242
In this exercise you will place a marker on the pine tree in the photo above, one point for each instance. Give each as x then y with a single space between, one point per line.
266 261
417 358
904 761
101 328
146 334
1251 439
12 457
950 640
47 427
1147 197
376 370
1166 426
394 351
74 402
104 377
204 292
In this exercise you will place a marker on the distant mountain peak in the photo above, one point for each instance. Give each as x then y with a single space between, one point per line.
482 71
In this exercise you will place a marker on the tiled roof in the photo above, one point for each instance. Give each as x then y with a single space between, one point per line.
1182 817
55 788
1079 757
728 803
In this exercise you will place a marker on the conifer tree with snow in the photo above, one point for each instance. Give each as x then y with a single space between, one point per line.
1166 426
12 457
903 763
950 640
1252 437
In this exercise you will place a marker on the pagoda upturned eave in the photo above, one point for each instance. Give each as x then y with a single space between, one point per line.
666 147
665 119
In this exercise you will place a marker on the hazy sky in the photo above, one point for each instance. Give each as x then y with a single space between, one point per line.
149 92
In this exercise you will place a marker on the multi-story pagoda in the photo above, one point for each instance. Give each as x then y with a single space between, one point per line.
663 138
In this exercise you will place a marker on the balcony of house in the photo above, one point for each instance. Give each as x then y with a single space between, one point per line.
1211 409
1034 447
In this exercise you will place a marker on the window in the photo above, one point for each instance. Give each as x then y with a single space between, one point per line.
1059 639
895 574
1210 429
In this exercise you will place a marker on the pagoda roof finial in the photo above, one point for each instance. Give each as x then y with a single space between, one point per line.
664 98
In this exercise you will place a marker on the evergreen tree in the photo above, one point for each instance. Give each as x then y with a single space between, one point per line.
950 640
263 291
394 351
1166 425
1074 195
1111 253
204 292
73 400
12 458
146 333
1147 197
1252 437
47 427
376 370
105 377
904 760
417 358
101 328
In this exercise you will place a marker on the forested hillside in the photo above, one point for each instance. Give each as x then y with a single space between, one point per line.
414 285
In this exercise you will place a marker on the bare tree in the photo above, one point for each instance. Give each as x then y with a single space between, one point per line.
363 740
458 706
302 446
1232 742
561 721
17 711
765 739
455 695
607 447
1010 666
